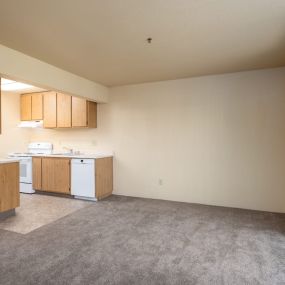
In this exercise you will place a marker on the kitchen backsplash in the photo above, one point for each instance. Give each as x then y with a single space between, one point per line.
85 141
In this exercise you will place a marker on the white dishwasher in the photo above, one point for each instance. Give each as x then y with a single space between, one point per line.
83 179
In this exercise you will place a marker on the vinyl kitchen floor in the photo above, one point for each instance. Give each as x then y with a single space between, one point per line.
37 210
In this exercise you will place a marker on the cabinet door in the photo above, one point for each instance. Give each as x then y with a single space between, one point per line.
26 107
37 106
9 186
79 112
103 177
56 175
63 110
37 173
50 110
92 114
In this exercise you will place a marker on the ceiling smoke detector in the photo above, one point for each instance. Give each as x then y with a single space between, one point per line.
149 40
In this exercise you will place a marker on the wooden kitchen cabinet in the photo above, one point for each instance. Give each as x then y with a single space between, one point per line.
31 106
91 114
26 107
9 186
56 175
79 112
58 110
63 111
52 174
37 106
37 173
103 177
84 113
50 109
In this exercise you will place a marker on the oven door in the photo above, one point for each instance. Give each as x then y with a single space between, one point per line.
26 170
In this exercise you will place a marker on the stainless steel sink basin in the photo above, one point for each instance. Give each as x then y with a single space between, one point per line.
64 154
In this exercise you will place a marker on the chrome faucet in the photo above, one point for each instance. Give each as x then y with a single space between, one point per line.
71 151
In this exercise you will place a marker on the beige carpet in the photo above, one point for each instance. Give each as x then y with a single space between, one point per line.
37 210
124 240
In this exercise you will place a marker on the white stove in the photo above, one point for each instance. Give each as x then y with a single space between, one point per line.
26 177
21 154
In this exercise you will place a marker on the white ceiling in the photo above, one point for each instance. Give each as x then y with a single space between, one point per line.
105 41
15 87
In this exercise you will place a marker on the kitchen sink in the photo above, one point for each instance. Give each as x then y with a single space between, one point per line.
64 154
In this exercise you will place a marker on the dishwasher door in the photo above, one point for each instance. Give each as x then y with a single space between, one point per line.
83 178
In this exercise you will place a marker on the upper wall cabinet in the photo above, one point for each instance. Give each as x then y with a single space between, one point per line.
37 106
84 113
31 106
50 110
58 110
63 111
26 107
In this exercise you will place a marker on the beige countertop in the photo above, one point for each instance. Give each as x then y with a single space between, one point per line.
8 160
79 156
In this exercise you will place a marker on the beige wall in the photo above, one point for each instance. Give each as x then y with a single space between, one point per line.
216 140
12 138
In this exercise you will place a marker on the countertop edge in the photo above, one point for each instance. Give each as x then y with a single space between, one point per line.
83 156
7 161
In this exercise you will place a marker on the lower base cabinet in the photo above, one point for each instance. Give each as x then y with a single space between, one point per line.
104 177
37 173
54 175
51 174
9 186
